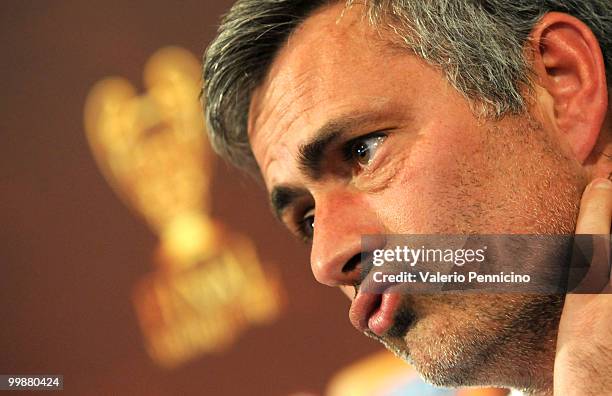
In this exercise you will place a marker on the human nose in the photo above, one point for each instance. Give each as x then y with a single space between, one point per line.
341 219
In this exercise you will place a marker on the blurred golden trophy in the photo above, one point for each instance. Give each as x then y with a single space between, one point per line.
152 149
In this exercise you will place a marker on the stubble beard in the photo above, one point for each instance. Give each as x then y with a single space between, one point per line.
510 342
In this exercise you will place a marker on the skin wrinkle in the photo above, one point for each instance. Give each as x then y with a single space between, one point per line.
258 119
385 173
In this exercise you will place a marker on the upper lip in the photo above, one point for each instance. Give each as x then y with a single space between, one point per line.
368 303
362 308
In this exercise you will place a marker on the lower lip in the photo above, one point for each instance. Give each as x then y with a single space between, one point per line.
383 318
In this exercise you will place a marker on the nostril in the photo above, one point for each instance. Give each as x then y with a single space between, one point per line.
352 263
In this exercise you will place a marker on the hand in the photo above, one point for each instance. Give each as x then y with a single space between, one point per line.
583 361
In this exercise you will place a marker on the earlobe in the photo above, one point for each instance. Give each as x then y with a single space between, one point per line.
568 63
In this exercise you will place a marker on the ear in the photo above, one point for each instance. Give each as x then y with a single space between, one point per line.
569 65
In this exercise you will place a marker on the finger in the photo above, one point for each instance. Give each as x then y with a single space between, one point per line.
596 208
594 219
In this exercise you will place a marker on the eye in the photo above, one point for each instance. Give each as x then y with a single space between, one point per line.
306 225
362 150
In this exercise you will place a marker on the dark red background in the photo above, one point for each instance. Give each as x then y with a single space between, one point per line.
70 251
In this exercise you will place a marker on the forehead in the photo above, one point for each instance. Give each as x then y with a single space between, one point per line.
325 70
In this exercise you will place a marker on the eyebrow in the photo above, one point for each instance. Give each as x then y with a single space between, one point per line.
310 159
284 196
311 154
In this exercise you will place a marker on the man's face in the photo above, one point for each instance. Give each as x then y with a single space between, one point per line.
369 139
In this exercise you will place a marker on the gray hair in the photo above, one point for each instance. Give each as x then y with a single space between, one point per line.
477 44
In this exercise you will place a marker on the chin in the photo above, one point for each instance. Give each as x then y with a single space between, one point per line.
447 352
476 340
444 353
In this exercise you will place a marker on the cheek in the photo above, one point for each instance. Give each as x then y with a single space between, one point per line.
429 191
480 179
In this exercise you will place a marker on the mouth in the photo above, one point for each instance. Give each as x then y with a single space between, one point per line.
375 311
